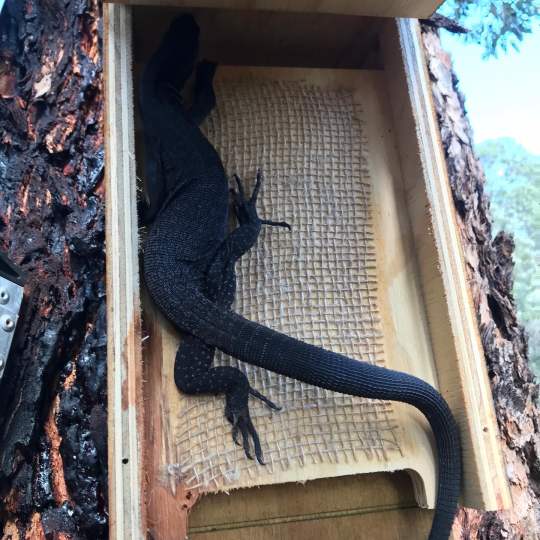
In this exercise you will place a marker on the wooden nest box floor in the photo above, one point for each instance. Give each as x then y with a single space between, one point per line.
312 133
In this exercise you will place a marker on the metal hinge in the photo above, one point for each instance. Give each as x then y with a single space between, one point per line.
11 295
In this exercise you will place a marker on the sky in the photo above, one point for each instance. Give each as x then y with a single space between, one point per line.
502 94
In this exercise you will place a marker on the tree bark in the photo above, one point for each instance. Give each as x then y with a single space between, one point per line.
52 412
489 266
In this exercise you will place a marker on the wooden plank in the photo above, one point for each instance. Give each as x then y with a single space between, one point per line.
386 524
124 358
373 8
451 316
330 508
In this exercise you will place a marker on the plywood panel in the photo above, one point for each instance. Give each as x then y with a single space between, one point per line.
369 506
406 339
254 38
421 260
378 8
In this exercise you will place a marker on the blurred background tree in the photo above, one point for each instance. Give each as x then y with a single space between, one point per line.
513 183
512 171
494 24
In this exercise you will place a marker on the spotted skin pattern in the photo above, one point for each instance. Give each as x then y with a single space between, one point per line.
189 258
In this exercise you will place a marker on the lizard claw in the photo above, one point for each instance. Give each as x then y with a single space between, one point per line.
283 224
242 424
240 195
264 399
237 413
256 189
246 209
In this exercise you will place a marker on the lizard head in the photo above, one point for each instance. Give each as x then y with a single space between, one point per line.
182 36
180 46
185 24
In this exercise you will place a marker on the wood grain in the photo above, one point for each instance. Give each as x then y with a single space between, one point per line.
256 38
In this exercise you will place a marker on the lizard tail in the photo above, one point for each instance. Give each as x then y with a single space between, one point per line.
261 346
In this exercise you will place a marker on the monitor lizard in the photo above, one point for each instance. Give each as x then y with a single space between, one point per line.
188 266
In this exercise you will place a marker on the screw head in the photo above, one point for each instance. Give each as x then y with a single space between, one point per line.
4 296
7 323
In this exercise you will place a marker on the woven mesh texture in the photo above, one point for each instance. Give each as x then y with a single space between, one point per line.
316 283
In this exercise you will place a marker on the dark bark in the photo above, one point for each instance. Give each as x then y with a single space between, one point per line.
52 412
489 265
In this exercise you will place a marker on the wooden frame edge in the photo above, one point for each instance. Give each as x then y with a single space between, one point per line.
486 484
124 356
369 8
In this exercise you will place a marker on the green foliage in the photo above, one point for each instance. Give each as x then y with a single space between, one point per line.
513 183
494 24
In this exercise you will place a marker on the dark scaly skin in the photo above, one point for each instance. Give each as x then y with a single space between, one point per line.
189 259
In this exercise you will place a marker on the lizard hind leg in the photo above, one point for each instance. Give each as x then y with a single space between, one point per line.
194 374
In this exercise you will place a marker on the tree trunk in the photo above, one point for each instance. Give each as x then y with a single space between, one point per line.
52 412
489 265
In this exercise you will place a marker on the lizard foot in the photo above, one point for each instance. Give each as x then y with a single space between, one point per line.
242 424
246 209
238 415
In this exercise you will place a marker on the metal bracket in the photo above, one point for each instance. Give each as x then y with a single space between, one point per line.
11 295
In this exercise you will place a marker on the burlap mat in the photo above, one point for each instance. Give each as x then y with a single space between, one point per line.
315 283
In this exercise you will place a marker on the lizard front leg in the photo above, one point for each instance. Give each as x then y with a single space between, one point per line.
244 237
